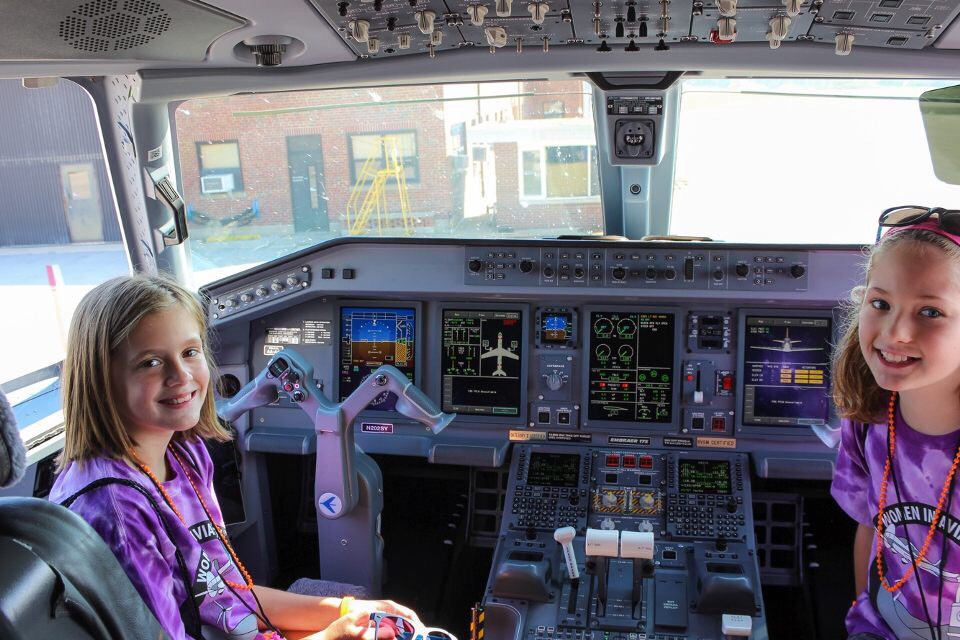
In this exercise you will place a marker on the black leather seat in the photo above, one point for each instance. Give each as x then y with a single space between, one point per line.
58 579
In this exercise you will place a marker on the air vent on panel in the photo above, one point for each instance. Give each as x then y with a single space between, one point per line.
112 25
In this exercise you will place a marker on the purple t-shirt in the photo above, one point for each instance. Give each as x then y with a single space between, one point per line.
921 464
128 524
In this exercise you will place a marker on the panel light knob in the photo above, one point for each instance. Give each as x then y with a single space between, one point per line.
780 26
504 8
538 11
403 41
496 37
425 20
359 29
727 8
844 44
373 45
727 29
793 7
436 38
477 13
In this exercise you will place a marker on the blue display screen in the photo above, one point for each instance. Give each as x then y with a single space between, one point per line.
555 327
786 369
371 337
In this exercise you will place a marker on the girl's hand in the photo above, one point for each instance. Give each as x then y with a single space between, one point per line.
386 606
353 626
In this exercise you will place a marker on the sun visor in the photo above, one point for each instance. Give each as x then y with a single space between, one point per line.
941 120
175 30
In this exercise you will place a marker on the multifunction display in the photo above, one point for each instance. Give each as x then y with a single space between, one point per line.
371 337
631 366
554 469
481 362
704 476
786 362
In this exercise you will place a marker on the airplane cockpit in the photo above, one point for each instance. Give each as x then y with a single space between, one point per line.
523 313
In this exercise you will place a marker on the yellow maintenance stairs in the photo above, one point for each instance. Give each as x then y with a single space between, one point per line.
369 194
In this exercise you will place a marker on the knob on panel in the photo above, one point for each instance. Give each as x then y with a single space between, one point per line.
475 266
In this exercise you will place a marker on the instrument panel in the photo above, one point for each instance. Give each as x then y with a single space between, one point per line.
633 390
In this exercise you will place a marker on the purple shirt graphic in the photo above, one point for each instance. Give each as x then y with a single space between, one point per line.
128 524
921 465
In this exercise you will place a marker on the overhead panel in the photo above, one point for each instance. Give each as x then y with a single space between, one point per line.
385 28
175 30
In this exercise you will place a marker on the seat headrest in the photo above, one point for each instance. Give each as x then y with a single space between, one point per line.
13 455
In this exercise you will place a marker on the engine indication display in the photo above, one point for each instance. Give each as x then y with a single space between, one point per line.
371 337
481 361
786 362
704 476
631 366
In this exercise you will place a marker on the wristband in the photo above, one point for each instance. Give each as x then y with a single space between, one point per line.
345 602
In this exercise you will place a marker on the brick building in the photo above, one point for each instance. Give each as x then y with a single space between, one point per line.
510 156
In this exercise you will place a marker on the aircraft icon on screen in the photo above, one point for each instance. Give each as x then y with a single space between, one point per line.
786 345
500 353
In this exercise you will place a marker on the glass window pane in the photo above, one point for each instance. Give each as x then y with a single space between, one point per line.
59 231
532 174
567 172
462 156
220 156
843 192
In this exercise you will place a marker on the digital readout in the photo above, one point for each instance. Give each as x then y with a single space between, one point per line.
704 476
554 469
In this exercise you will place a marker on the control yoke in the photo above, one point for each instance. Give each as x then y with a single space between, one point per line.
290 373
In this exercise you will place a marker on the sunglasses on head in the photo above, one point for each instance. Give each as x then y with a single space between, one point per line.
904 216
404 629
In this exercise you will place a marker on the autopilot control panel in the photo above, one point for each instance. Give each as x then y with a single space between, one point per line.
632 392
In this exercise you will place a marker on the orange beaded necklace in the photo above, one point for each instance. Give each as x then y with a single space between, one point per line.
891 430
220 534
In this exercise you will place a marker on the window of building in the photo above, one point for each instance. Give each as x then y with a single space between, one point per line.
567 171
554 109
220 167
370 152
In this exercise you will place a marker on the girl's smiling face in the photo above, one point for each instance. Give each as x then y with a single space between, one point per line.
159 375
910 320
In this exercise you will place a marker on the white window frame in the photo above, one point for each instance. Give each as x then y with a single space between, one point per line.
542 196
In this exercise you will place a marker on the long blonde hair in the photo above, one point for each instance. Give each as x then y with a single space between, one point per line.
102 321
855 393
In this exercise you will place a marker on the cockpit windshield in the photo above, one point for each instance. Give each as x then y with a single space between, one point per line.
800 160
264 175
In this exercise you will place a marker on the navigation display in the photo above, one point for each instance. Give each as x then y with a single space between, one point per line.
786 369
631 366
371 337
481 361
554 469
704 476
